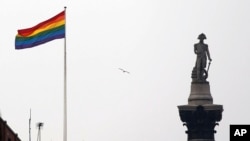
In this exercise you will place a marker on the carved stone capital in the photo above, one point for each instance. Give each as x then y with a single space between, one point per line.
200 120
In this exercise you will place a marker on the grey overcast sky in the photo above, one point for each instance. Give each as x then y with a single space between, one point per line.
152 39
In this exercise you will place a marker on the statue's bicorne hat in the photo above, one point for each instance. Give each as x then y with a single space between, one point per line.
202 36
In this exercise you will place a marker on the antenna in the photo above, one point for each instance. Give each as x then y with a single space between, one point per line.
39 125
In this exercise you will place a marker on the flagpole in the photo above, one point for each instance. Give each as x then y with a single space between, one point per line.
30 127
65 86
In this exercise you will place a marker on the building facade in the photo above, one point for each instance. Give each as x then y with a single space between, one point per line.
6 133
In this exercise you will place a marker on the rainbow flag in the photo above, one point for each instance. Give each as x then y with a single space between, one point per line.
51 29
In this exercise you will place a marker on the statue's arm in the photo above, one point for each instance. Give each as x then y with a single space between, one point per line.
208 54
195 49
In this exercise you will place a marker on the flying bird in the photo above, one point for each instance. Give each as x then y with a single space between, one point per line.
123 70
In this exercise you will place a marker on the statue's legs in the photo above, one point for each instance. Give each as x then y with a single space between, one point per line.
201 64
198 67
204 62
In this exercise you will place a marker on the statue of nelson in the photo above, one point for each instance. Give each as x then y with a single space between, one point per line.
202 52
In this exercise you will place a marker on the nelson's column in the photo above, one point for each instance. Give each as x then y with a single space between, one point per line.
200 115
